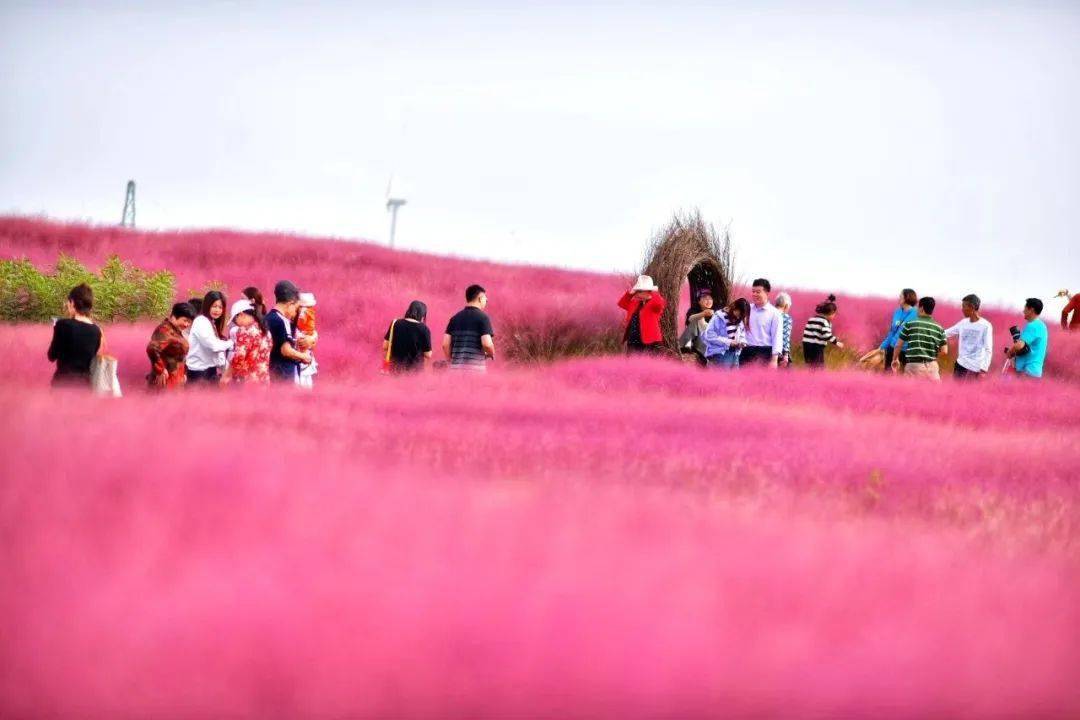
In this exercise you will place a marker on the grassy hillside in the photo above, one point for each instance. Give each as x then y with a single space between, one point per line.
601 536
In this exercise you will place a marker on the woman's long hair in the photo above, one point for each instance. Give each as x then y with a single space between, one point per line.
260 319
207 302
252 293
417 311
742 306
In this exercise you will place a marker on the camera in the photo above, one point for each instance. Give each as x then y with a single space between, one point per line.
1015 332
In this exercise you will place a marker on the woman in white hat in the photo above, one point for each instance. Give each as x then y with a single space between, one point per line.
250 359
641 327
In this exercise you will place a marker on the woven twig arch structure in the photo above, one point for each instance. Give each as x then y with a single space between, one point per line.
689 249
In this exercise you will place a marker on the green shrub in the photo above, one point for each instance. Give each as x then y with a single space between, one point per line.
121 290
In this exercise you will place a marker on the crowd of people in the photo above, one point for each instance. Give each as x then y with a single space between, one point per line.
759 331
202 344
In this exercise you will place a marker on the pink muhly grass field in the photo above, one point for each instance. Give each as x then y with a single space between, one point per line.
530 544
604 536
362 287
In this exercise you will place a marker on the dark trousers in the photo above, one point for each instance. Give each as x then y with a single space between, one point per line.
202 376
759 354
651 349
962 373
813 354
890 353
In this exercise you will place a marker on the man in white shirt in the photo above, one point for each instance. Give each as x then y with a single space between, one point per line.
976 341
765 336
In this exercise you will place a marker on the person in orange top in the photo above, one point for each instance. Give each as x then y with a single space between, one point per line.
1074 308
306 337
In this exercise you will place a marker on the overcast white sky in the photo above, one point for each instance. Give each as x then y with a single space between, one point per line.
852 146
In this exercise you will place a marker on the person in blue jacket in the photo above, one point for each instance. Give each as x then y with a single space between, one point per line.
903 314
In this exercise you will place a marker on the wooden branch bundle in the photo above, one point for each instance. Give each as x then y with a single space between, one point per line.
689 249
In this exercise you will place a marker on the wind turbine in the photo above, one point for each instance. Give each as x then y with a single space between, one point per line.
392 205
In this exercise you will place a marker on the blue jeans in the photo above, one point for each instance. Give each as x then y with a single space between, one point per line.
726 361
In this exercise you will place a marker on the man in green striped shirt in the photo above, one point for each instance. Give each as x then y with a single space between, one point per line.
923 340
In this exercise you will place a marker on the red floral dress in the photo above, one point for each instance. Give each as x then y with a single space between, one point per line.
251 355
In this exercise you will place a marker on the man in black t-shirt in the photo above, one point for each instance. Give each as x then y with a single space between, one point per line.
285 358
468 341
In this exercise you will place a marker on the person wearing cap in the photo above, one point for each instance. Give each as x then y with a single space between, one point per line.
641 327
697 320
975 344
306 337
250 359
285 356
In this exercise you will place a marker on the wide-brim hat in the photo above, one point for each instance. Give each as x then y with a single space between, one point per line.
644 284
307 299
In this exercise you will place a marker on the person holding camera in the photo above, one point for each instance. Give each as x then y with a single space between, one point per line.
1028 351
692 340
641 327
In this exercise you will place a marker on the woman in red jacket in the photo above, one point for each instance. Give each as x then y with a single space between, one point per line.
641 327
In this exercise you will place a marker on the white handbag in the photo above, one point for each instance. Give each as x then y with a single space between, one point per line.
104 379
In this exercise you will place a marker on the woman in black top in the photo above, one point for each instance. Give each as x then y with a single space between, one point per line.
411 346
76 339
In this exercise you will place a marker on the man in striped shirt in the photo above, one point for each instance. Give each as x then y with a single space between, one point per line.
469 339
922 340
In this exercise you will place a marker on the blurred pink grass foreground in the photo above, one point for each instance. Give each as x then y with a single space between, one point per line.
599 537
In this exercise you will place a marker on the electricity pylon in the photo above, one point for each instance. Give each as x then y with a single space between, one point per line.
128 220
